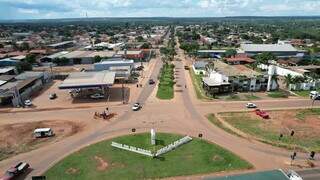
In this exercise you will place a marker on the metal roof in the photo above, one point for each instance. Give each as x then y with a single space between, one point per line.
211 82
88 79
60 44
268 48
6 69
29 74
2 82
212 51
58 54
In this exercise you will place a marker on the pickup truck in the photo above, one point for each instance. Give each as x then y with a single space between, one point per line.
262 114
15 171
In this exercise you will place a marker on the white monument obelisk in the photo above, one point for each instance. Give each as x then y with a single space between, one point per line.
153 137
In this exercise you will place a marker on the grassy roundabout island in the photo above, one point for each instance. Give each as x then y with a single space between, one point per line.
102 161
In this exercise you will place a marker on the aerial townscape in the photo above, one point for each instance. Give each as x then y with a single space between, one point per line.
205 96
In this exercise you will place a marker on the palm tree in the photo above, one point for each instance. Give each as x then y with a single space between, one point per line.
210 67
288 79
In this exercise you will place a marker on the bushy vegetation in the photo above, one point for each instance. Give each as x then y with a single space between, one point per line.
166 85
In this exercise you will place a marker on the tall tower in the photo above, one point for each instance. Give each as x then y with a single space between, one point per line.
271 72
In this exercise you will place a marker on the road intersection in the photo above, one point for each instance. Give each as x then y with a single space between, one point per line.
185 114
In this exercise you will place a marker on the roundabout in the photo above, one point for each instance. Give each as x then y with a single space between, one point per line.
103 161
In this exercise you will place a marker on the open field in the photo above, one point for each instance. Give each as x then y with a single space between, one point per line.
165 90
18 138
101 161
305 123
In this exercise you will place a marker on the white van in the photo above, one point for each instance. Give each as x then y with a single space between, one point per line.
314 94
43 132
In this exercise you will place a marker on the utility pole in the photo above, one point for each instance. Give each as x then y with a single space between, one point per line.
123 91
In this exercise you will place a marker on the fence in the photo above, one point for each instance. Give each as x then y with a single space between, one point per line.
173 145
132 149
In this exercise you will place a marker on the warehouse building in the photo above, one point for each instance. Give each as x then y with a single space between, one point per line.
280 50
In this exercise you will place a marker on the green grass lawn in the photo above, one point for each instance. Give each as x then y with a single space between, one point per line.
196 157
166 89
302 93
278 94
259 128
197 84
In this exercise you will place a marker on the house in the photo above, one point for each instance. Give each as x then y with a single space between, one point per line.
216 83
199 67
8 71
122 68
15 90
8 62
131 54
78 57
280 50
240 78
239 59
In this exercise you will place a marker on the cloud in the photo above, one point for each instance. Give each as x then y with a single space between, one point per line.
20 9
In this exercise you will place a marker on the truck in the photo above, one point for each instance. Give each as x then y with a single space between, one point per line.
262 114
15 171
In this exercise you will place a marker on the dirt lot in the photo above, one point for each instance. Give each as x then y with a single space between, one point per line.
17 138
304 123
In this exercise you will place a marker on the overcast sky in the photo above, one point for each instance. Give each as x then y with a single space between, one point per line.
43 9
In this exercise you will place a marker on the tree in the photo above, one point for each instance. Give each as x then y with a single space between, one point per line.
146 46
288 79
24 46
229 53
97 59
31 58
210 67
140 39
23 66
263 58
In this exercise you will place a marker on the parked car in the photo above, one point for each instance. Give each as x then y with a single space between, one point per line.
316 97
43 132
314 94
262 114
151 81
292 175
15 171
97 96
53 96
251 105
28 102
136 107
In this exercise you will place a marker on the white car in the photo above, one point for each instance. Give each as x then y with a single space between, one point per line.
313 94
292 175
251 105
97 96
136 107
28 102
